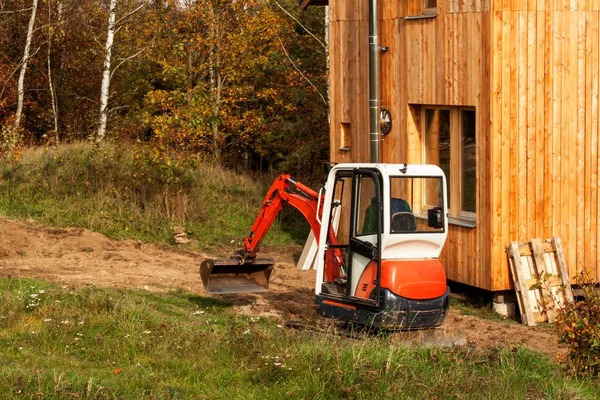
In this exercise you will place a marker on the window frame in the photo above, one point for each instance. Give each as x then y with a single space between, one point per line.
428 8
421 9
456 214
464 214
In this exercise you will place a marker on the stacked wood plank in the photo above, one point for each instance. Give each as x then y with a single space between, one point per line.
541 279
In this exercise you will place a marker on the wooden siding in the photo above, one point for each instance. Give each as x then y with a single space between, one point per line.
544 124
531 70
441 61
349 72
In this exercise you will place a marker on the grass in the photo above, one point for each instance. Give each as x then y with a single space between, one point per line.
129 192
476 307
97 343
473 301
115 344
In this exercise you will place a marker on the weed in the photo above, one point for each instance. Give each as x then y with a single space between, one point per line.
578 325
105 343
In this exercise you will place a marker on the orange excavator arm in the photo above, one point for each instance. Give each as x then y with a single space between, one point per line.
245 264
282 192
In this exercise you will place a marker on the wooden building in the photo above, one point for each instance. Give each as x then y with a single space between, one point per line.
504 95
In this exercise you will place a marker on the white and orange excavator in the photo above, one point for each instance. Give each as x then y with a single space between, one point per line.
380 229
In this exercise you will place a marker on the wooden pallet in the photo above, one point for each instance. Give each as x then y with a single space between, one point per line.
541 279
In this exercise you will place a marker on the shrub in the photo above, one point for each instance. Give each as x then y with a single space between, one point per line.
10 140
578 326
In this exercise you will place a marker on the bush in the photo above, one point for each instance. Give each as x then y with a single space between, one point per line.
578 326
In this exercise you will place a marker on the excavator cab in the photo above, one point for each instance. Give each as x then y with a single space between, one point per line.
391 230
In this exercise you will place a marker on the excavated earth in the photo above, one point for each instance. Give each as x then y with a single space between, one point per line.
77 257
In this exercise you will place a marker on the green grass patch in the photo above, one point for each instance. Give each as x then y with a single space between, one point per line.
477 307
130 192
115 344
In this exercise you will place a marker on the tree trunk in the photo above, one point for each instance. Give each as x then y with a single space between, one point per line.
104 92
49 59
189 78
21 81
216 85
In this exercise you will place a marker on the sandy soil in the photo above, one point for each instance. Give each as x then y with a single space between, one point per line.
77 257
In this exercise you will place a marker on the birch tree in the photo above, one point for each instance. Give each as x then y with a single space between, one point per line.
114 26
23 70
104 91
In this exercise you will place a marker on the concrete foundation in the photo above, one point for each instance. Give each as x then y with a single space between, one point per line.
505 303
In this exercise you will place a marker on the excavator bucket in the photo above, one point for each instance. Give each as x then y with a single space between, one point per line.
229 276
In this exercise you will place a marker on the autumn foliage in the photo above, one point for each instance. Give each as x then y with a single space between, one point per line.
578 326
242 83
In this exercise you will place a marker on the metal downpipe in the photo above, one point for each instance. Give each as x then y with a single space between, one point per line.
373 81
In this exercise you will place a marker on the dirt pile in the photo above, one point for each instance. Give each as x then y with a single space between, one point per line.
77 257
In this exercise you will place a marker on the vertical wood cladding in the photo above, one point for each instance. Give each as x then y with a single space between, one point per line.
531 70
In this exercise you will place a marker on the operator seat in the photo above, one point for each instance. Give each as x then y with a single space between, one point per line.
403 220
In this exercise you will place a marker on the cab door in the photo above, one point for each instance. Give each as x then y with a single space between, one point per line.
366 225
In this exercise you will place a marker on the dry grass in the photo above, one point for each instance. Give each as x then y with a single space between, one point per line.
128 192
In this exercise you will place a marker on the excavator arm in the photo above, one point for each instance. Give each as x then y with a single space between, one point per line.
284 191
244 271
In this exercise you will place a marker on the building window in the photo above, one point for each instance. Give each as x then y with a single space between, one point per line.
450 143
468 170
437 143
419 9
345 137
429 5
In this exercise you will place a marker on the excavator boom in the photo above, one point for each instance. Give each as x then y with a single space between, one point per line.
243 271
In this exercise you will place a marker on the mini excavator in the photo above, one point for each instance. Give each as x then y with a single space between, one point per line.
380 229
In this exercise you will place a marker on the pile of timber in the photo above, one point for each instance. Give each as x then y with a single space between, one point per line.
541 279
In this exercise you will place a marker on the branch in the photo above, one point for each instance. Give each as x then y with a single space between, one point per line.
130 14
41 27
18 67
15 11
299 23
35 51
98 42
86 98
125 60
300 72
10 76
110 111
